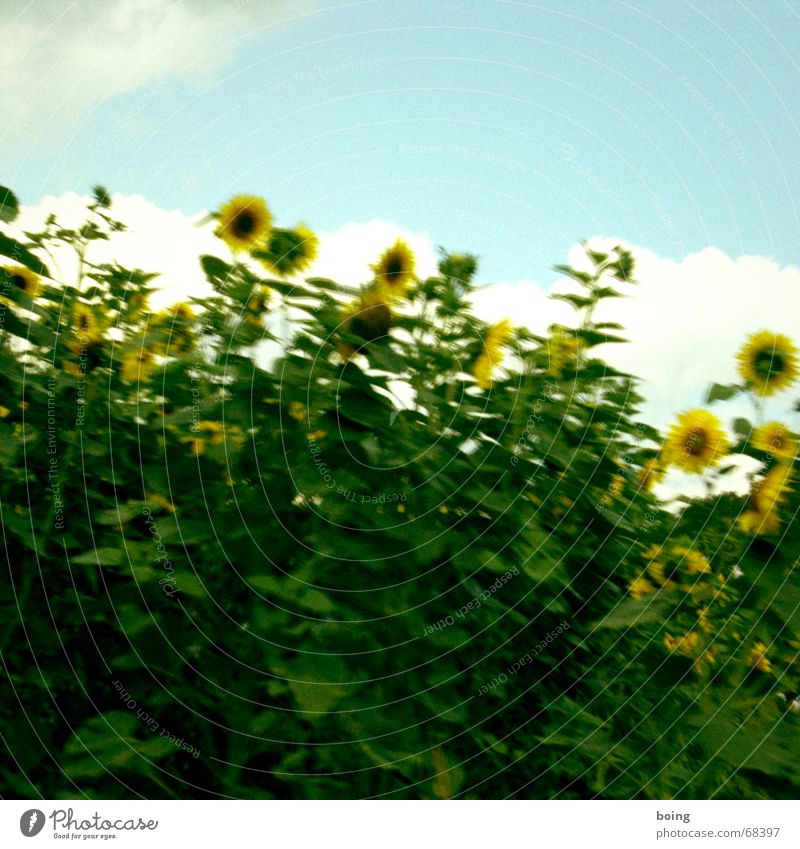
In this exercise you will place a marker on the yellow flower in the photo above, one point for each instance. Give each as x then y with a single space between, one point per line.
757 658
775 438
754 523
562 350
658 572
695 442
497 337
640 587
289 251
652 552
21 278
155 499
4 411
685 644
394 270
213 433
244 222
773 487
174 324
137 302
370 316
768 362
137 366
297 411
482 371
766 498
88 328
651 474
695 562
257 305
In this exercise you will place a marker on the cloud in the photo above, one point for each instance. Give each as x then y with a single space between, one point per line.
68 56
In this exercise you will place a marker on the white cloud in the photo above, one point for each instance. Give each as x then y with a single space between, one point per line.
68 56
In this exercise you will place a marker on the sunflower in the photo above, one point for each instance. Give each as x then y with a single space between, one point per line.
768 362
686 644
244 222
20 278
651 474
257 304
205 433
695 442
370 316
696 563
289 251
775 438
766 498
562 350
757 658
88 328
394 270
173 326
137 366
497 337
640 587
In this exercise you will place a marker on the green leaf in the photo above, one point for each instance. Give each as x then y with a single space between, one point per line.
9 205
19 253
577 301
720 392
100 557
216 270
630 612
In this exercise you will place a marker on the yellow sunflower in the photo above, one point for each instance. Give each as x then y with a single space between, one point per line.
491 355
370 316
640 587
766 498
695 562
289 251
21 278
137 366
695 442
768 362
757 658
244 222
562 351
775 438
88 327
257 304
686 644
394 270
174 327
205 433
651 474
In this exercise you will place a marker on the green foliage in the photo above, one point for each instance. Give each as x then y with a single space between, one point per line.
226 579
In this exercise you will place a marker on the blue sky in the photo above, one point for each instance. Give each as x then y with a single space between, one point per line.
510 129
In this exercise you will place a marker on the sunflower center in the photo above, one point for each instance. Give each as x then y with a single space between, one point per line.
696 441
244 223
768 363
18 280
394 268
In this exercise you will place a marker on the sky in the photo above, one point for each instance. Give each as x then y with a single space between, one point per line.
508 129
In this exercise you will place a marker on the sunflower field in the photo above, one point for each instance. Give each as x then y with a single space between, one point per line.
299 540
